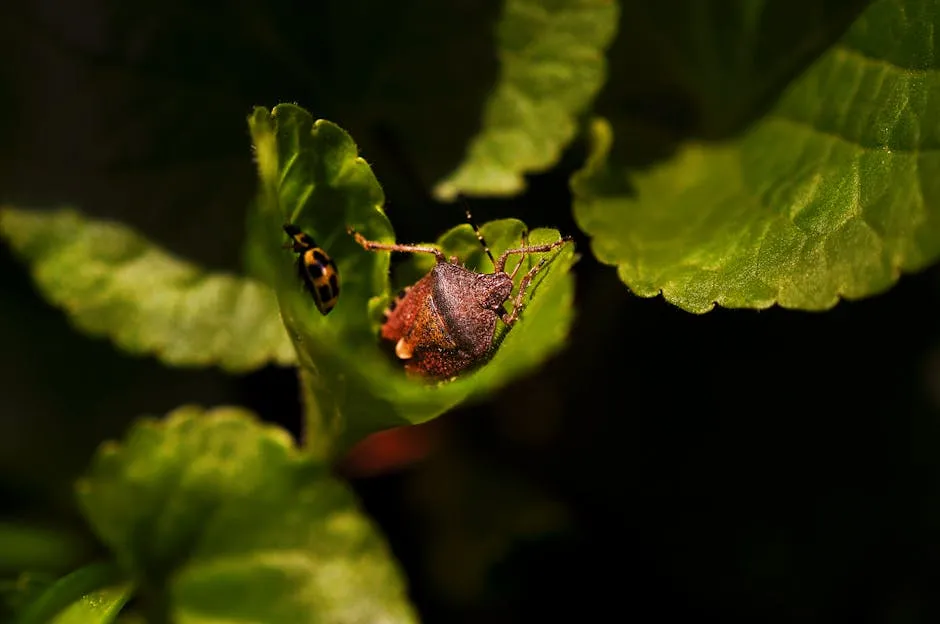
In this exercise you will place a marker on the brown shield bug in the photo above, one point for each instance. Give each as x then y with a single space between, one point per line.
444 324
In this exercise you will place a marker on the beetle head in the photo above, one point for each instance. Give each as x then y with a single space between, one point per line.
496 288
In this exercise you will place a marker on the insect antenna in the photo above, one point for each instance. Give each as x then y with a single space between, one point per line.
479 234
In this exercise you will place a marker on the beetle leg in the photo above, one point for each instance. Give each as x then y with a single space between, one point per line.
376 246
523 285
525 243
501 261
480 238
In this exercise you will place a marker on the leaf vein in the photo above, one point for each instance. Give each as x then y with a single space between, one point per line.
843 48
807 125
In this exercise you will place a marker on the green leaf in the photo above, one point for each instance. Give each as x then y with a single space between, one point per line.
91 594
715 69
832 194
29 547
227 521
311 175
552 65
19 592
112 282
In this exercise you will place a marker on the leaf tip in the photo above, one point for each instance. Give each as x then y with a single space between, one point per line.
259 114
478 181
445 191
600 140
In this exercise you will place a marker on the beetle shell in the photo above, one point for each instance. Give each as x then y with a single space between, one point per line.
316 269
445 323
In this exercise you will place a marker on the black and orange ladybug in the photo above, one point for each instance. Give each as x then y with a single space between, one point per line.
316 269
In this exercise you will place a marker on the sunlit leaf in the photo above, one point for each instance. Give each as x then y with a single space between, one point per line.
832 194
229 521
552 65
113 282
93 594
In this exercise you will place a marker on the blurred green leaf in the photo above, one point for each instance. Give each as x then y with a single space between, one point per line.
832 194
20 591
112 282
715 69
552 65
312 176
229 521
30 547
93 594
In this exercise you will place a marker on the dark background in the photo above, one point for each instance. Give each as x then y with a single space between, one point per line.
736 466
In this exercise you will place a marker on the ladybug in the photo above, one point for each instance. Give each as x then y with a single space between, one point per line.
316 268
444 324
